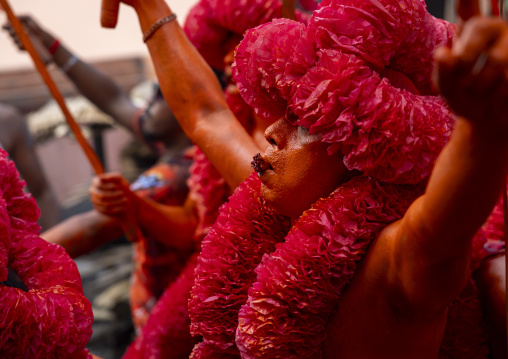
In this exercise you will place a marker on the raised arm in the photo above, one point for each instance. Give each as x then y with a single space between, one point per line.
432 243
194 94
91 83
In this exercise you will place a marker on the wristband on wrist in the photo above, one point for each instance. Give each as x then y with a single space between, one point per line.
54 46
69 64
148 33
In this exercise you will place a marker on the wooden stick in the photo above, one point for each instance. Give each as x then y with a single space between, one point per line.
109 13
27 44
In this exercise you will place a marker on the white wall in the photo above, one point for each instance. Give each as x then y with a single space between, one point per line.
77 24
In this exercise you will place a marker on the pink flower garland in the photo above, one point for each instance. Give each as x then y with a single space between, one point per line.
53 319
208 189
216 26
226 267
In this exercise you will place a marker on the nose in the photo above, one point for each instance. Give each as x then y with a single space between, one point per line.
274 134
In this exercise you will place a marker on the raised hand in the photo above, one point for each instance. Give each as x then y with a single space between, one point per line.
40 38
473 74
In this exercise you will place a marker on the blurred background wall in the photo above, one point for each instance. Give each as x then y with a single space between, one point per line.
77 24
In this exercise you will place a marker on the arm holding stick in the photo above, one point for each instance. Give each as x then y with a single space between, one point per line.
130 228
96 86
39 64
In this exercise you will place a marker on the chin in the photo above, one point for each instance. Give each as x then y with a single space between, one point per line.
283 207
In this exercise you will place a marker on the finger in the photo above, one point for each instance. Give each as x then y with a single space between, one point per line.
110 211
108 200
107 193
109 196
494 71
108 187
112 177
107 181
29 23
109 206
109 13
446 70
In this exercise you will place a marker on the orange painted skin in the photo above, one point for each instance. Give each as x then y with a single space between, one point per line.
398 300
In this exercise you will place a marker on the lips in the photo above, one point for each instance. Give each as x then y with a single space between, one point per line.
259 164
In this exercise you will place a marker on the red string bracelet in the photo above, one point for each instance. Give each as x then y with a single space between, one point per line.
54 46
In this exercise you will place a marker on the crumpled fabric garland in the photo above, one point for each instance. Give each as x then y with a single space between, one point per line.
308 5
216 26
494 230
53 319
229 255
